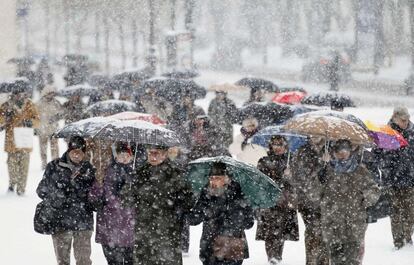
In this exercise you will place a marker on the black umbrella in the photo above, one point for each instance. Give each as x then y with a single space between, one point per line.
16 85
98 80
291 89
266 113
171 89
22 60
326 99
79 90
184 74
258 83
133 75
140 132
85 128
109 107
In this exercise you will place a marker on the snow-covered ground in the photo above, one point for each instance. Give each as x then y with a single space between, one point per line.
19 244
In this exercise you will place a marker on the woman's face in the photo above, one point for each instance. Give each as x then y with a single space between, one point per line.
124 158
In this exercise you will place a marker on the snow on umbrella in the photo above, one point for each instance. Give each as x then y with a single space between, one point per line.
266 113
183 74
291 97
385 137
329 127
258 83
80 90
325 99
131 115
140 132
109 107
173 88
85 128
263 137
21 61
133 75
260 190
338 114
20 84
99 80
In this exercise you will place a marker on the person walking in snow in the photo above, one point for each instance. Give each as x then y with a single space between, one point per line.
115 223
279 223
64 188
348 189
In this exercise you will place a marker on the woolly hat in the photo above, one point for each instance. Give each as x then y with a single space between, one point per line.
77 142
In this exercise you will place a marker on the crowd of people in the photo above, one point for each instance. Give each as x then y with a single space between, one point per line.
145 206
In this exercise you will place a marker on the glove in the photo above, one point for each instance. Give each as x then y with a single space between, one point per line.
27 123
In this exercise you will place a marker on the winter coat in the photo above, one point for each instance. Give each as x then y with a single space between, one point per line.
66 187
204 142
12 116
280 221
396 165
73 111
180 116
305 167
344 200
248 153
50 112
156 106
160 197
114 223
228 215
224 114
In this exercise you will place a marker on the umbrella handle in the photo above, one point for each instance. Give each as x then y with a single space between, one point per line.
288 159
135 156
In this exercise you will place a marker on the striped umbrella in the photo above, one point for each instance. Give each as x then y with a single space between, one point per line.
385 137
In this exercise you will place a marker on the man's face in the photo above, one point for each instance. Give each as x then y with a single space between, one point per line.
217 182
402 122
76 156
156 156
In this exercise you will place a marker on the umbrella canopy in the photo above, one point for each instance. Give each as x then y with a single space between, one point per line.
138 131
130 115
258 83
258 189
291 97
22 61
329 127
85 128
109 107
263 137
266 113
325 99
183 74
133 75
338 114
171 89
294 88
385 137
81 90
98 80
20 84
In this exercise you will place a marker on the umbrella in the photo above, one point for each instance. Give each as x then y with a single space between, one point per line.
20 84
110 107
171 89
339 114
291 97
81 90
263 137
138 131
325 99
133 75
138 116
258 189
183 74
99 80
385 137
21 61
329 127
85 128
290 89
266 113
258 83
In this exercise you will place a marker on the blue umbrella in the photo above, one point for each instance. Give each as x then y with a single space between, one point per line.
263 137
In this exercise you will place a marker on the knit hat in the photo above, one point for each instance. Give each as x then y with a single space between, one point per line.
77 142
401 112
218 169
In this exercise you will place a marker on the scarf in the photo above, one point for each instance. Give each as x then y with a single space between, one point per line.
345 166
247 135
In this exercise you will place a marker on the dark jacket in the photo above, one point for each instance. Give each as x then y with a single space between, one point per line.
228 215
396 165
160 198
281 221
115 223
67 193
73 111
224 114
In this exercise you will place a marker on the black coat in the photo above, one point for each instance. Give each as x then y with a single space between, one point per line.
396 165
67 195
229 215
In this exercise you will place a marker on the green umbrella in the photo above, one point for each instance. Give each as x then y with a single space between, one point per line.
260 190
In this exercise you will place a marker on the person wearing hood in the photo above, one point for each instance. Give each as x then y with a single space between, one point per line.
223 112
115 223
241 147
50 112
348 189
74 109
64 188
18 113
225 215
160 199
398 179
279 223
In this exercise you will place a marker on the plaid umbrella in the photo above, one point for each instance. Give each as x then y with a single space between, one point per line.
137 131
260 190
85 128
